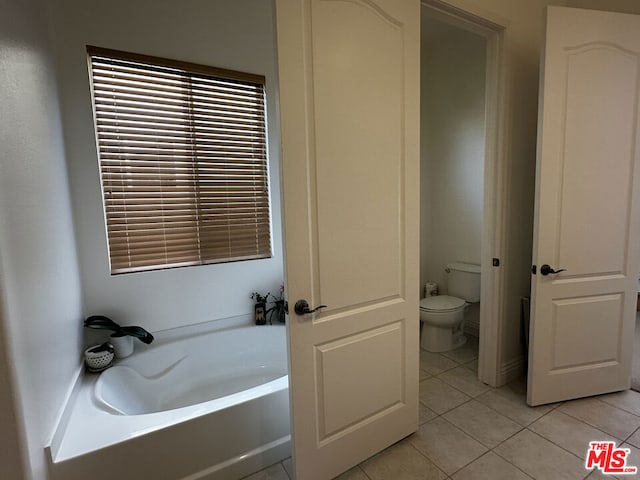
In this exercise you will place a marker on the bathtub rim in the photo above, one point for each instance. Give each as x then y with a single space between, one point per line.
82 393
208 456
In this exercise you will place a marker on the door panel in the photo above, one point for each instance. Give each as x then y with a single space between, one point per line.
576 323
358 105
349 97
587 210
352 392
601 96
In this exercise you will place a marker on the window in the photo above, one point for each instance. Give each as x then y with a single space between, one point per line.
183 163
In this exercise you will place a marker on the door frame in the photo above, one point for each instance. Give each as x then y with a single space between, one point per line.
496 185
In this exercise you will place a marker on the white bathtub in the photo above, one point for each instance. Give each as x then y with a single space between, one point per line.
195 404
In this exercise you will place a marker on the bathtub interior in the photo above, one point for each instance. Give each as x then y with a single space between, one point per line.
128 403
173 376
125 391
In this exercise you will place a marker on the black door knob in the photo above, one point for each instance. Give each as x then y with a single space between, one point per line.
546 270
302 307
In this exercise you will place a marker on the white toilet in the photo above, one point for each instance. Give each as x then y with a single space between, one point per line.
443 315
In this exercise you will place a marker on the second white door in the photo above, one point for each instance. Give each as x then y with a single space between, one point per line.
587 220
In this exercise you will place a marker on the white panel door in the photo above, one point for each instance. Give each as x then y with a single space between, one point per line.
349 99
587 215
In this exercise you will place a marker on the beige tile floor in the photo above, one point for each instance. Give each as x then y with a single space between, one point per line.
469 431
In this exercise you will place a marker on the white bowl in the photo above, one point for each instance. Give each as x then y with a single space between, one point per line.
97 361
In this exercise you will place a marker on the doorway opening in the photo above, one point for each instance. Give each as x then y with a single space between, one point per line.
463 179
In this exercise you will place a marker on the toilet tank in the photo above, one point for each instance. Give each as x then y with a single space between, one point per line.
464 281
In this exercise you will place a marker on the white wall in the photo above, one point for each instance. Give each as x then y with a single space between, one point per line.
622 6
12 450
234 34
452 100
39 278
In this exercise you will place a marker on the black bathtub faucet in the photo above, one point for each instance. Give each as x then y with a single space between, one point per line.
100 322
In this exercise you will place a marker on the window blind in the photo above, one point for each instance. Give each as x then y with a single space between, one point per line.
183 165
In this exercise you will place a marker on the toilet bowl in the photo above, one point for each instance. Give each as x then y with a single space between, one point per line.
442 317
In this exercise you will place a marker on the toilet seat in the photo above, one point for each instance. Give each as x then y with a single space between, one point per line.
441 304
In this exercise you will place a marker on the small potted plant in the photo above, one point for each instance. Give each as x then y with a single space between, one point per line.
278 309
260 307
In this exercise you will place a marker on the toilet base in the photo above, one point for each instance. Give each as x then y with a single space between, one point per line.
438 339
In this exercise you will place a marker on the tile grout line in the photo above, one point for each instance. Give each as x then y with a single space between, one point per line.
538 435
556 444
467 394
632 434
480 442
494 389
620 408
595 426
530 431
457 428
579 420
430 460
510 463
285 471
630 413
522 427
363 470
489 449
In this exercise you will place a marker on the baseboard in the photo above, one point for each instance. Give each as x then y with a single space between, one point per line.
512 370
472 327
472 320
